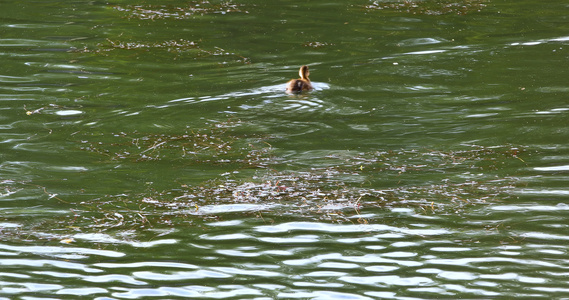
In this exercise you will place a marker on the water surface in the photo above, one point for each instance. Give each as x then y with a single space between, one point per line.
149 150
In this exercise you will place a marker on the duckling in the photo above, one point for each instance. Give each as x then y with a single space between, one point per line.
301 84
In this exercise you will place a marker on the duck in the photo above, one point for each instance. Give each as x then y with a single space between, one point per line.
301 84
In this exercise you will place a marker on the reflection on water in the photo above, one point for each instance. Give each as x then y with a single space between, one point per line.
149 151
423 258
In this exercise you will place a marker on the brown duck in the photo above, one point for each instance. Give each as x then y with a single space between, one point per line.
301 84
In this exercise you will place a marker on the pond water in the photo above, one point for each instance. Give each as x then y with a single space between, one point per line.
149 151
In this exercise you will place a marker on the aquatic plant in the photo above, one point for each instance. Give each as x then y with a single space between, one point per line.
188 10
428 7
345 186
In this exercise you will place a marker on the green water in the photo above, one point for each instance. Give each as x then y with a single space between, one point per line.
148 150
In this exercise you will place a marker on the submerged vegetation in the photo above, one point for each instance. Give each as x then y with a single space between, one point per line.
200 145
340 190
192 8
261 183
430 7
177 47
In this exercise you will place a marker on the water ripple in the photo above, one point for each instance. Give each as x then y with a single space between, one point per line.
51 250
99 224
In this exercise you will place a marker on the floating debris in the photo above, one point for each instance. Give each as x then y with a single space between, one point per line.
191 9
213 145
339 192
178 47
345 187
316 44
430 7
